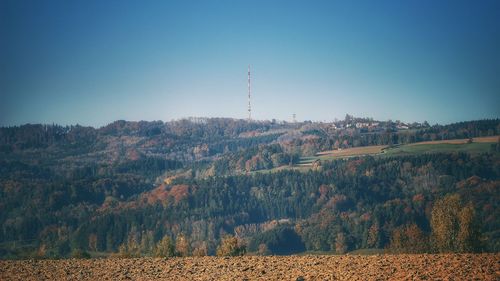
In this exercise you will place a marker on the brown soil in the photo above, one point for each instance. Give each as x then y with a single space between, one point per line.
354 151
347 267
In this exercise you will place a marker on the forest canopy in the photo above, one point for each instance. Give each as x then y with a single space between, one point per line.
207 186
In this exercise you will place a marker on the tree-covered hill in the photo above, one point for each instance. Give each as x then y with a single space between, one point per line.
132 187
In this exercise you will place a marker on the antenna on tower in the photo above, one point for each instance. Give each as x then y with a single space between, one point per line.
249 95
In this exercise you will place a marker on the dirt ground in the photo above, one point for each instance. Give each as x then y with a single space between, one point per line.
347 267
354 151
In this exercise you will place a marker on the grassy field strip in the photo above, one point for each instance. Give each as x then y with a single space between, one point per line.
349 152
491 139
473 148
478 145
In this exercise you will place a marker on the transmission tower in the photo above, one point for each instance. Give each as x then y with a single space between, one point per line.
249 95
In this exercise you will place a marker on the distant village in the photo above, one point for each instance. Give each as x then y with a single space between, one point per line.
369 125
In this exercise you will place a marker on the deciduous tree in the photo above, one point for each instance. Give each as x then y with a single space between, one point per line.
165 247
229 246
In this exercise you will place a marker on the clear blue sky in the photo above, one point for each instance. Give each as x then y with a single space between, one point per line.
93 62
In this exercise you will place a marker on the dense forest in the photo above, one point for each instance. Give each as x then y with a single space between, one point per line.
206 186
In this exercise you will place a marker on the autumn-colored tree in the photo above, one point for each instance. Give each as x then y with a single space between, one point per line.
147 242
373 240
341 243
263 250
200 249
93 242
42 250
409 239
468 236
230 246
165 247
418 241
444 223
122 251
131 247
454 228
182 247
323 190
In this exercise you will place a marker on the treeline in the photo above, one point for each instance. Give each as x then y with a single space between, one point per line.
403 204
208 129
212 132
186 140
